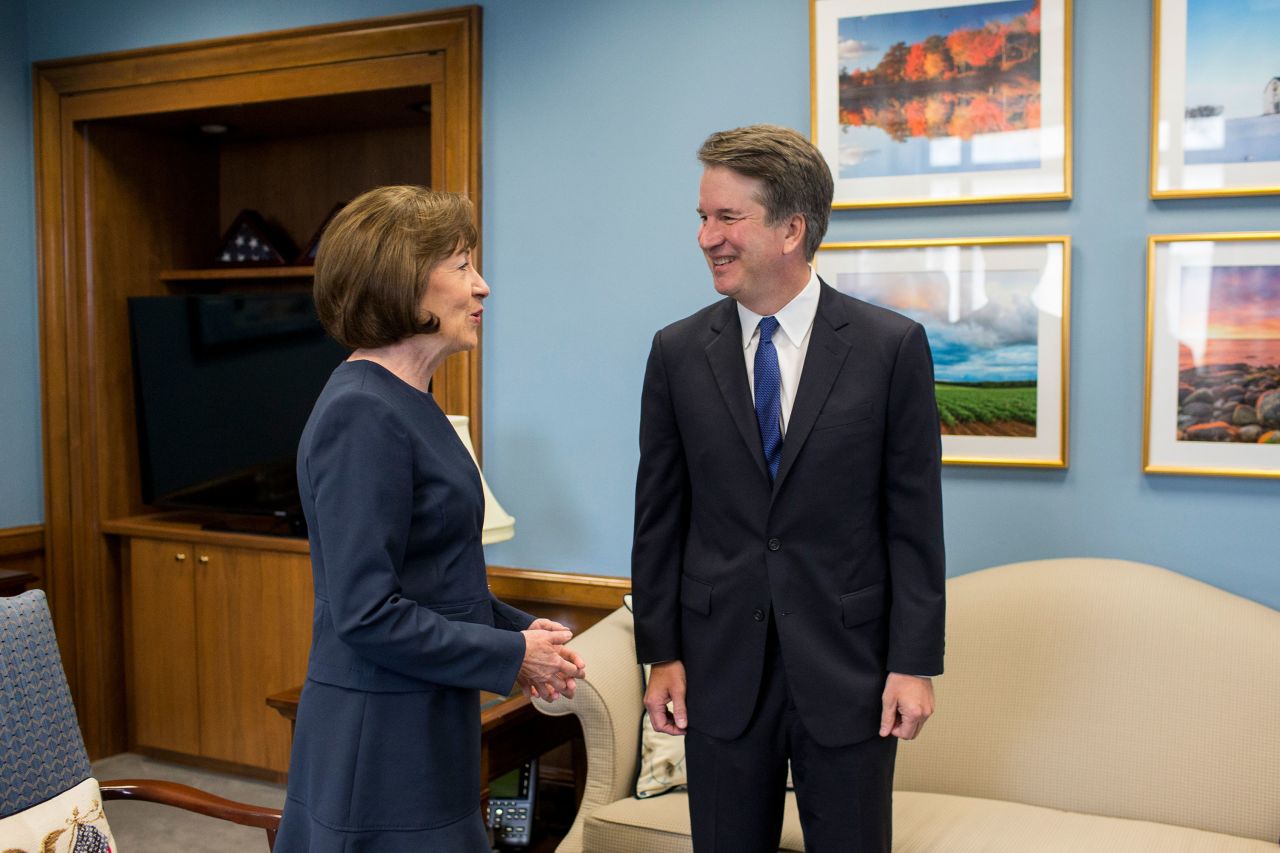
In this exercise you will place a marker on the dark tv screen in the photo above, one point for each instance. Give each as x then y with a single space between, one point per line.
224 385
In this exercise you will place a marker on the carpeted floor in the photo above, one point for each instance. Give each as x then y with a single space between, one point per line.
150 828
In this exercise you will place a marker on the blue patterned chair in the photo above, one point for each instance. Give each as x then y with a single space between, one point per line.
49 803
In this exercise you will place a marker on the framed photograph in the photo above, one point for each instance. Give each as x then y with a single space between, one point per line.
996 311
1215 124
942 101
1213 355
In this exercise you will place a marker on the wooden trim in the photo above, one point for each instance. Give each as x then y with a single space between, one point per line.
558 587
25 540
277 85
57 382
293 48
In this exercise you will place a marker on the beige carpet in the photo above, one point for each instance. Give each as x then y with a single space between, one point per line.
150 828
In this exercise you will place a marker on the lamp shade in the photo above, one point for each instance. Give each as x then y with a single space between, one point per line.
498 526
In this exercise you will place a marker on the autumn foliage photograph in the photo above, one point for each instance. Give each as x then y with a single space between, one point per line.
955 72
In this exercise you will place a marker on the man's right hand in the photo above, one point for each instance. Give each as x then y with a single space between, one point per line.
667 684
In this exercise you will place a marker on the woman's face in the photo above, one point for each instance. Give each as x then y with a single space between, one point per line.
455 293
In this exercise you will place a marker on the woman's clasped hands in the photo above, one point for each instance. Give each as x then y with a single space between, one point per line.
549 669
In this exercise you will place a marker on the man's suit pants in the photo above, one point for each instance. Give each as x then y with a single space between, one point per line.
737 787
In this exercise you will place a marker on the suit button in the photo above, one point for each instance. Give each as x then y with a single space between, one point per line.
775 544
757 615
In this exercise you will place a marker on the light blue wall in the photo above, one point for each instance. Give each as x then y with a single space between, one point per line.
20 492
592 112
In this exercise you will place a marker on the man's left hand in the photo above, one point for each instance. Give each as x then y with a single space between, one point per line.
908 702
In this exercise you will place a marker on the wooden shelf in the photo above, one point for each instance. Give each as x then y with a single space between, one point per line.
237 273
191 527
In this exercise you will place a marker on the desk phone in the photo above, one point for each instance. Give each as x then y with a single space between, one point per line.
511 805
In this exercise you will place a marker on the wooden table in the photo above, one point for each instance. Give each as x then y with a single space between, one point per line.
14 581
512 732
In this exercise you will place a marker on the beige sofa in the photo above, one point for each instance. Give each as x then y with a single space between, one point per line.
1088 705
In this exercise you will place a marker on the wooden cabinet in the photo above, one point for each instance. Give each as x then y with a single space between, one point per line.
214 629
165 696
143 159
253 632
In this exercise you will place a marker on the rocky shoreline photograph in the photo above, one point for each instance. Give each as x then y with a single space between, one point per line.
1229 355
1230 402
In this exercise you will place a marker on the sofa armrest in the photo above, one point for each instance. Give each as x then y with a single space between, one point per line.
608 704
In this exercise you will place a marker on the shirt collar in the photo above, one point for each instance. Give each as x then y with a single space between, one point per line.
795 318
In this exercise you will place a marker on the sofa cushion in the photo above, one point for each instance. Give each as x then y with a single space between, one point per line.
72 820
932 823
925 823
661 825
1110 688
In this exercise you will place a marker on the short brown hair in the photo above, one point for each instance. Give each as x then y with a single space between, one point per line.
796 177
374 259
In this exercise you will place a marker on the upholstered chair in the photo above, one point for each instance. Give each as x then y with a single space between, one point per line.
49 802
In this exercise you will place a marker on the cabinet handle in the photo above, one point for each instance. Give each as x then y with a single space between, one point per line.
180 557
203 559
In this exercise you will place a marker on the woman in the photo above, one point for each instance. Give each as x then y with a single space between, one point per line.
386 755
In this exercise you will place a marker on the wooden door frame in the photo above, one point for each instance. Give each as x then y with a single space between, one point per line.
83 574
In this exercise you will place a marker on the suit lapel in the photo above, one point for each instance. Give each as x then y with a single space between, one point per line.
822 363
724 352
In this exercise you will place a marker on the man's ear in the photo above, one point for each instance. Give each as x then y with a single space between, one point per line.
794 238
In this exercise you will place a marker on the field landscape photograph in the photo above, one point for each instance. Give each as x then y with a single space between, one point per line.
916 89
983 328
1229 354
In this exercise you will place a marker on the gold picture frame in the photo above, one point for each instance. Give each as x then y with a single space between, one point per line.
1216 133
1213 354
913 102
997 311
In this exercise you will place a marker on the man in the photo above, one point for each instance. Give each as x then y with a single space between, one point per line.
788 560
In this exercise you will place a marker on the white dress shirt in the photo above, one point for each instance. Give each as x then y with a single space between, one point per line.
791 340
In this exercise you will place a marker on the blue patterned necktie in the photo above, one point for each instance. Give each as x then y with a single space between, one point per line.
768 382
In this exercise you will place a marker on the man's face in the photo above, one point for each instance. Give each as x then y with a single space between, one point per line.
746 255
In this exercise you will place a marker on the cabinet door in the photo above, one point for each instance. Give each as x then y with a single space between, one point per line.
254 632
163 645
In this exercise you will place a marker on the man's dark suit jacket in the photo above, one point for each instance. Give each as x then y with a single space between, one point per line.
845 546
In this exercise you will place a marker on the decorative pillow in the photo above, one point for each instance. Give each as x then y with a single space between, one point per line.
661 758
71 821
661 765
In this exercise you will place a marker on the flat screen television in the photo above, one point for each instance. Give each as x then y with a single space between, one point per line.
224 385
